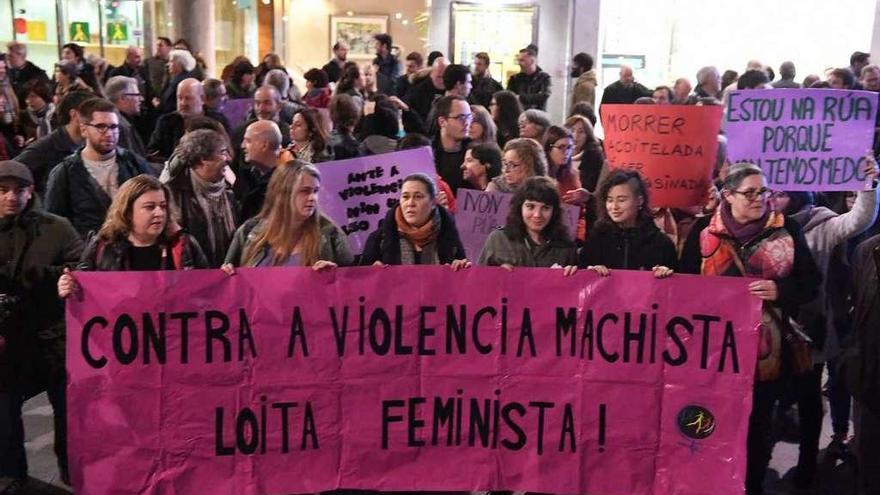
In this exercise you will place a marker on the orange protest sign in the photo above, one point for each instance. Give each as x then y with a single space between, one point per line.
673 146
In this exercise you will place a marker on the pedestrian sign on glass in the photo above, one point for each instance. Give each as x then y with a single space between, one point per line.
117 31
79 31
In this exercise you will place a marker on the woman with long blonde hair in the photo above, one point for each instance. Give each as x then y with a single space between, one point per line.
289 230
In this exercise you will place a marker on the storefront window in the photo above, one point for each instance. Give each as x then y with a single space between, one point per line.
236 31
89 23
511 29
35 23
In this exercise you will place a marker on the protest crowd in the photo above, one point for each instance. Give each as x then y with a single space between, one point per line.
139 168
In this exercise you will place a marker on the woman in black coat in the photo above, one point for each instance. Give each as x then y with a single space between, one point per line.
416 232
625 236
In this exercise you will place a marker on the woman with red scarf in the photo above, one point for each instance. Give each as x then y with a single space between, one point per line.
746 238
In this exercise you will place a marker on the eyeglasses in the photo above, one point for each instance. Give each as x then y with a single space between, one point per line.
133 95
563 147
463 118
103 128
753 194
505 165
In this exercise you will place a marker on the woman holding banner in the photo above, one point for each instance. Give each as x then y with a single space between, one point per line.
625 236
289 230
523 158
416 232
138 235
744 237
535 234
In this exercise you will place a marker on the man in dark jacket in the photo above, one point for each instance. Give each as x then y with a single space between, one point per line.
625 90
333 68
261 146
483 84
83 185
454 119
532 84
385 60
20 70
38 246
123 92
42 155
413 63
171 126
422 95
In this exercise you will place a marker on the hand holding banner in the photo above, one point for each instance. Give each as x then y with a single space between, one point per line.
673 146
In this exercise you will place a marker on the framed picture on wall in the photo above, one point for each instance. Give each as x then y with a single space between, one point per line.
357 31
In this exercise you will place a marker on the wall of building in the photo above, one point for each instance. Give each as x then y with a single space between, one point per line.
308 27
555 18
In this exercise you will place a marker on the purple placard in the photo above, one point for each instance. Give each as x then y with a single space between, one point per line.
236 111
803 139
478 213
357 193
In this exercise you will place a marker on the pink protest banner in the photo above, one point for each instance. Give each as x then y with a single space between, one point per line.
478 213
357 193
409 378
673 146
803 139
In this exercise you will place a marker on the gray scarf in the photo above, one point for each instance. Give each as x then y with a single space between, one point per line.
215 205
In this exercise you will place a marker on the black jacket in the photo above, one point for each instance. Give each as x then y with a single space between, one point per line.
73 194
333 70
639 248
250 191
617 93
533 90
19 77
35 246
42 155
182 253
192 216
421 97
384 243
168 98
483 89
344 145
863 355
170 128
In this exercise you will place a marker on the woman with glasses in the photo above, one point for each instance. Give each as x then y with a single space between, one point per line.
535 234
559 146
625 236
522 158
746 238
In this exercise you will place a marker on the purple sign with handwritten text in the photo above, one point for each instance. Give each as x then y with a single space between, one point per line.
357 193
803 139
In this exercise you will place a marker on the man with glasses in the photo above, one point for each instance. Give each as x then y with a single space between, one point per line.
83 185
454 119
123 92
